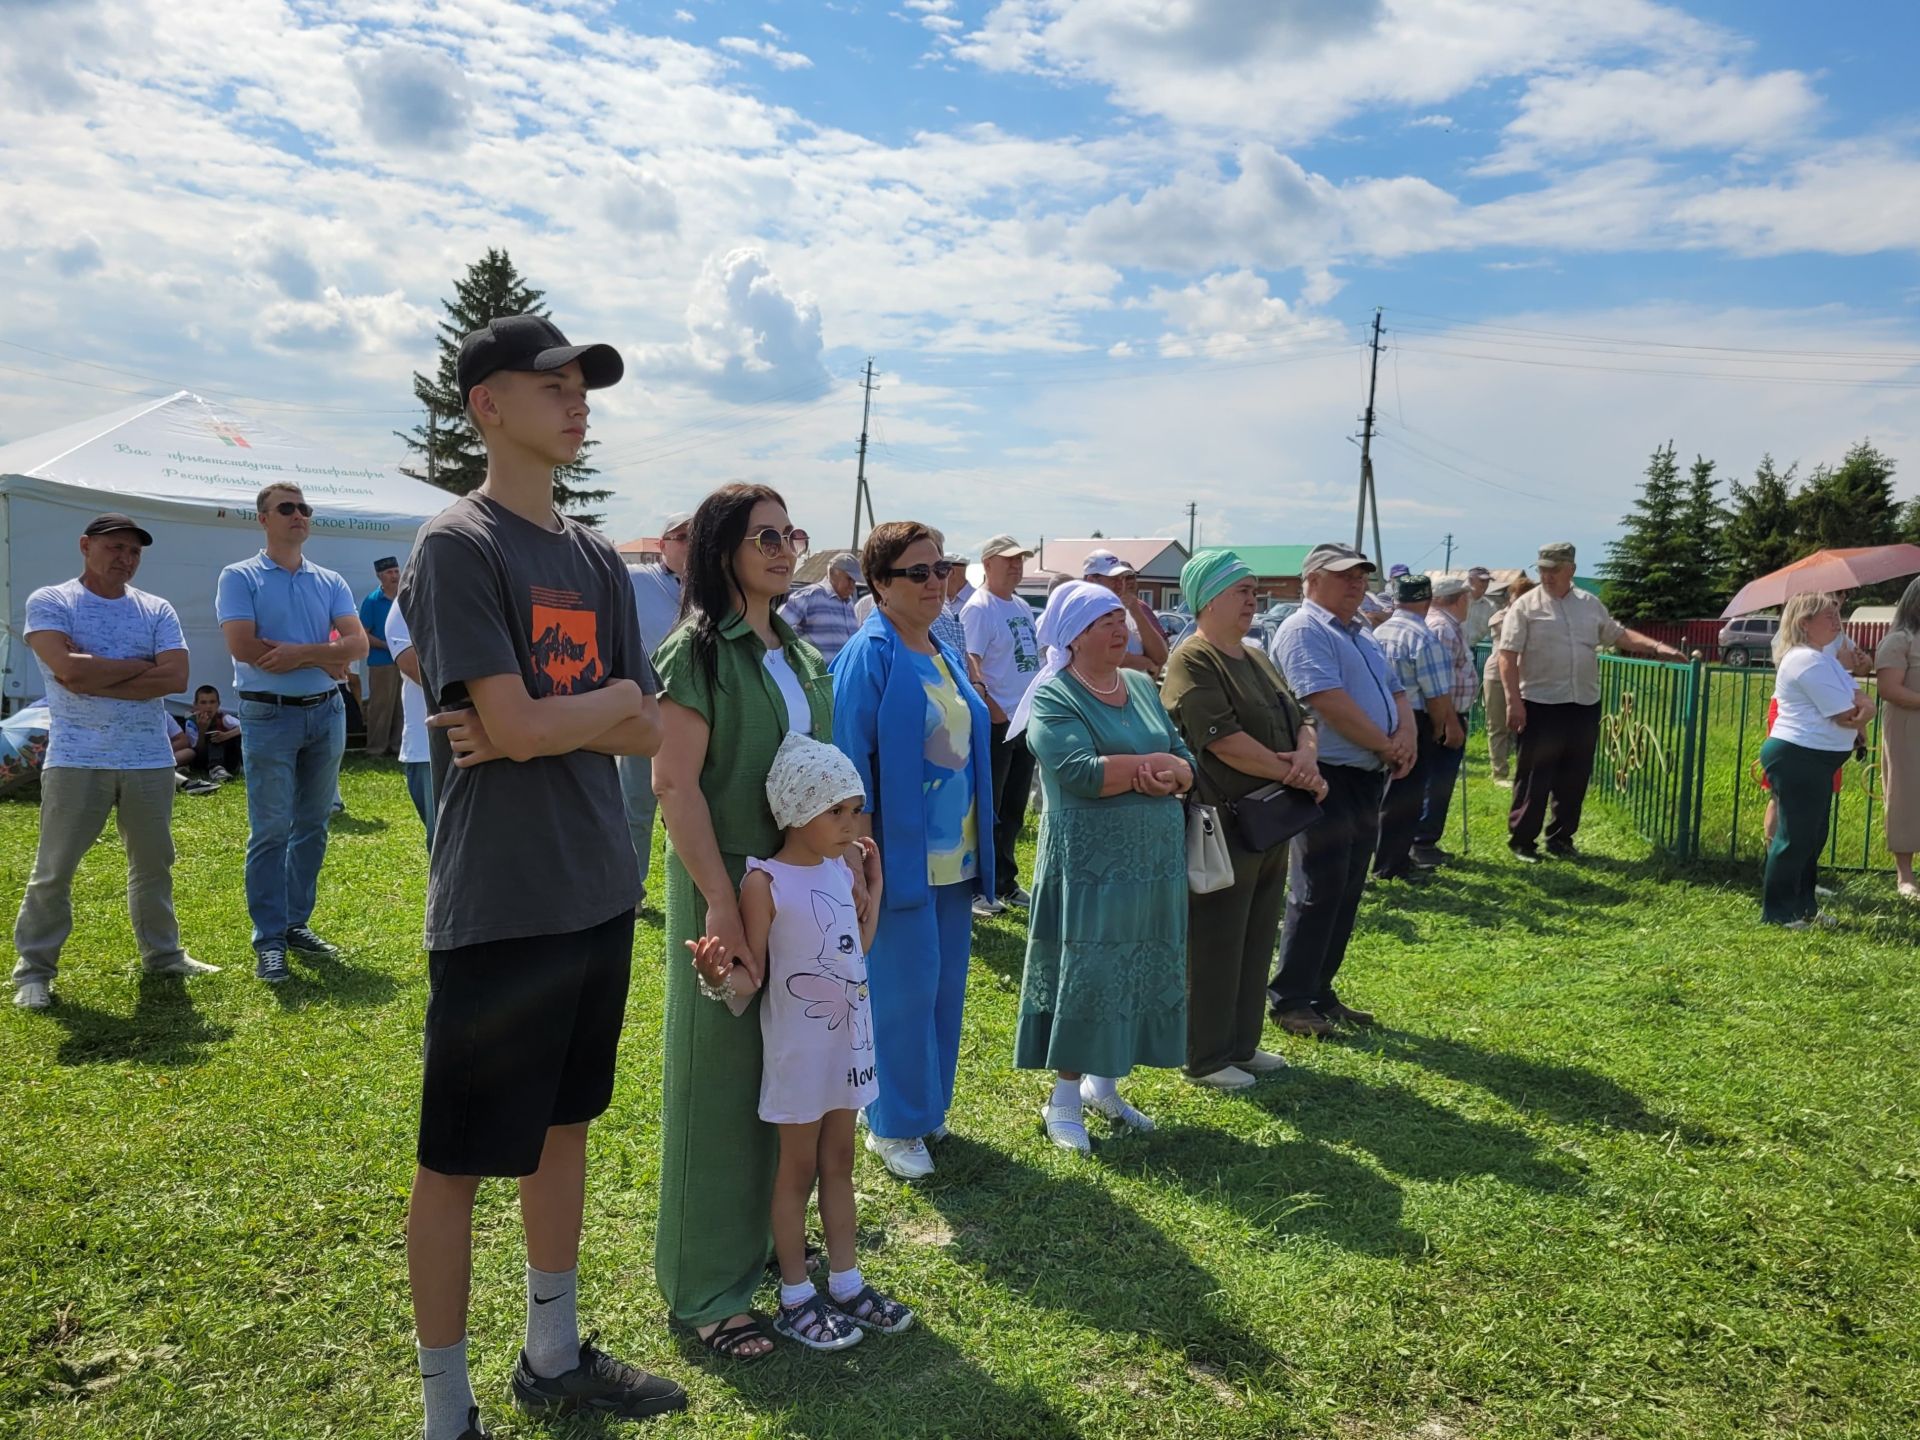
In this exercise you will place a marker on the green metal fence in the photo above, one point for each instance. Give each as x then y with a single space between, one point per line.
1679 756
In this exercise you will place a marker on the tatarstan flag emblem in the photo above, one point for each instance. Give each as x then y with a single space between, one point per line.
228 434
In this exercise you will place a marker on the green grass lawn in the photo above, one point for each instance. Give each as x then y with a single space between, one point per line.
1623 1165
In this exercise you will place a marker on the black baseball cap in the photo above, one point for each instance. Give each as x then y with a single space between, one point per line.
531 342
386 562
113 520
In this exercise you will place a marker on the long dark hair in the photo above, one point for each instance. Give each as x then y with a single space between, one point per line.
710 592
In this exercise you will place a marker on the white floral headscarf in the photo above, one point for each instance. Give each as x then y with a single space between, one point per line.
807 779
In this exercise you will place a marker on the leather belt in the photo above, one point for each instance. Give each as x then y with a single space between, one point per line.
303 701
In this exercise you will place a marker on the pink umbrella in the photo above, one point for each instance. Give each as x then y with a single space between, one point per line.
1825 570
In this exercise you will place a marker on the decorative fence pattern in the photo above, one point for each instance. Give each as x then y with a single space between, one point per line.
1679 755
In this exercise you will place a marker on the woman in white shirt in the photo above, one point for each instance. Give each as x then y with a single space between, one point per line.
1821 715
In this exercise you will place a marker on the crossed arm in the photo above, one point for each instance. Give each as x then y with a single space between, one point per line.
281 657
506 723
84 674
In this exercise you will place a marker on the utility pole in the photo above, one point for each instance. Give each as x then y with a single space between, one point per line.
1367 494
1449 564
860 493
1193 510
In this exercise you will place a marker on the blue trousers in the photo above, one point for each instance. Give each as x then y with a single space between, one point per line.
636 788
916 989
1443 769
293 770
420 791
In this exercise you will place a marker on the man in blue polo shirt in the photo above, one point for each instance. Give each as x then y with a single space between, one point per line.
1336 669
278 612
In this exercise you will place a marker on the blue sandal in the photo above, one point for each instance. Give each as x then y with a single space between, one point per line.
873 1311
817 1324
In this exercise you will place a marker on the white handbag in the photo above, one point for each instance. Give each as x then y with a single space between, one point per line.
1209 863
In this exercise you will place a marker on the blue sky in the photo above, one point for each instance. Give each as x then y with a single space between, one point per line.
1110 256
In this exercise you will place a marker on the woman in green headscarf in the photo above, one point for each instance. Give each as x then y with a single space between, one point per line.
1245 730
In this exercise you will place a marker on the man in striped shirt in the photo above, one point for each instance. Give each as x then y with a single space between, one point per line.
822 615
1447 618
1423 668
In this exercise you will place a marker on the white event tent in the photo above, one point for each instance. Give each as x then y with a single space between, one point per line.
187 470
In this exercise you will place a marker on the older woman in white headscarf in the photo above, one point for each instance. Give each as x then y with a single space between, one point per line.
1105 982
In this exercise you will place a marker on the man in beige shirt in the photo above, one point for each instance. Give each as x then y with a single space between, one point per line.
1549 646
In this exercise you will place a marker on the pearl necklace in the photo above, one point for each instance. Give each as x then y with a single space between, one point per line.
1113 689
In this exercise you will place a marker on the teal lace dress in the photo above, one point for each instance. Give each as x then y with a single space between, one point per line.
1105 987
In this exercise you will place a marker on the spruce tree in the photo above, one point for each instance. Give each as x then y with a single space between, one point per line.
492 287
1849 505
1701 587
1648 560
1762 531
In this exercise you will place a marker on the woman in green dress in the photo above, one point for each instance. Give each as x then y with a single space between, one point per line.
734 681
1106 975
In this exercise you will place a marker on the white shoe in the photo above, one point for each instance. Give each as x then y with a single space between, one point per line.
1261 1062
1019 899
33 995
1823 892
907 1159
1827 922
985 909
219 774
1797 925
1067 1127
1230 1078
939 1132
1114 1108
184 964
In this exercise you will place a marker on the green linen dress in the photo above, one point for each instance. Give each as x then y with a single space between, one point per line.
717 1157
1105 987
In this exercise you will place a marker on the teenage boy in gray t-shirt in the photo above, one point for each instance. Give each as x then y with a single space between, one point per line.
535 677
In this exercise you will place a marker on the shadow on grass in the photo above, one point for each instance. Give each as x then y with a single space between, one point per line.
313 981
1001 945
348 823
165 1028
1491 894
1408 1134
1064 1242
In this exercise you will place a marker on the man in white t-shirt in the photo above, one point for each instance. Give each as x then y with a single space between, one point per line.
1001 640
415 762
108 653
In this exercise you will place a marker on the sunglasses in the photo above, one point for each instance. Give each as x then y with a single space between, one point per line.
293 507
770 540
919 574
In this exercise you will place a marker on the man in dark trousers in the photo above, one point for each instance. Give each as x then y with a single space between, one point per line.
1426 678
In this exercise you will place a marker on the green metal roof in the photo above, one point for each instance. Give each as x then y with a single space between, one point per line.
1271 559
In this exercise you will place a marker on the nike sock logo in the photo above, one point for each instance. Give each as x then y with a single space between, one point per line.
548 1299
434 1376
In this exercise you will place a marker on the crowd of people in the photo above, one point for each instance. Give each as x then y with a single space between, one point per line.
843 785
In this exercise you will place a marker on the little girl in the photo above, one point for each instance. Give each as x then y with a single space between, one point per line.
810 947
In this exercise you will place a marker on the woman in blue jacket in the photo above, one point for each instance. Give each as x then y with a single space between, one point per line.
905 713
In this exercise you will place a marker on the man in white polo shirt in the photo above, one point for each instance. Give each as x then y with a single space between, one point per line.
108 653
1001 641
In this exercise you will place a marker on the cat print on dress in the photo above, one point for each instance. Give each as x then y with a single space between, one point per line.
836 989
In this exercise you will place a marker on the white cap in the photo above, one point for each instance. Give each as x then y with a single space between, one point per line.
1104 562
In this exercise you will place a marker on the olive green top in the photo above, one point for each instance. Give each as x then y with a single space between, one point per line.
1211 696
746 721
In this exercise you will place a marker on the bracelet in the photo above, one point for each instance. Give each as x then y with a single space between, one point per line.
720 991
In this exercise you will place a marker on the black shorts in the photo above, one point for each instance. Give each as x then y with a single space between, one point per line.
521 1035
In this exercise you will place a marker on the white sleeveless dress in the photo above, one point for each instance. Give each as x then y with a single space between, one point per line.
816 1032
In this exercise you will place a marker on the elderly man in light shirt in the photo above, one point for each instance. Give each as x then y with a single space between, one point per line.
1480 605
1447 618
656 599
1424 671
1549 649
823 615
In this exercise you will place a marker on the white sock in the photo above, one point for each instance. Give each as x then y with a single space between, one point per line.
1066 1095
1102 1087
553 1322
447 1388
843 1285
796 1294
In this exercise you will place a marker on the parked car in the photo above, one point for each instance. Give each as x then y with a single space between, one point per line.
1748 640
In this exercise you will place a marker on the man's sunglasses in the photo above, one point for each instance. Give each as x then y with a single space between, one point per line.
770 540
293 507
919 574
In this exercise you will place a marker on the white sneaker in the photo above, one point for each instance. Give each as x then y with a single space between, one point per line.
985 909
1114 1108
33 995
1019 899
219 774
184 964
1261 1062
939 1132
1067 1127
1823 892
1230 1078
907 1159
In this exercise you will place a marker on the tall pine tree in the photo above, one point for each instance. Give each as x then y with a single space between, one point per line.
1700 589
449 450
1850 504
1762 532
1648 560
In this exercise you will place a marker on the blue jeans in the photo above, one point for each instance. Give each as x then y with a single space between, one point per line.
293 768
1443 769
420 791
636 788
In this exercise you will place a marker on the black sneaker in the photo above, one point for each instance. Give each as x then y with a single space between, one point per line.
1562 850
598 1385
1525 854
302 939
1430 857
473 1430
271 966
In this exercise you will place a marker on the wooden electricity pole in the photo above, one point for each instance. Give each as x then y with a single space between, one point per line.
861 495
1368 497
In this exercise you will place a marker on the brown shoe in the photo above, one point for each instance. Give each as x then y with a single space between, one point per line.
1347 1015
1303 1022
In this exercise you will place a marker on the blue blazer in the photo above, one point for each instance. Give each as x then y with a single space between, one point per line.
880 723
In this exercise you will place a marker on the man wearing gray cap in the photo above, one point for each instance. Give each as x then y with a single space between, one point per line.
1480 605
1334 667
1446 618
1427 677
1550 669
656 600
822 615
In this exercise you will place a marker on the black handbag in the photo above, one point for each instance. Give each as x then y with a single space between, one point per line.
1272 815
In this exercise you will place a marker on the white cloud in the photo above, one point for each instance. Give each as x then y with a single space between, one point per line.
1853 200
412 98
772 54
683 17
345 322
79 256
1221 314
1432 122
747 339
639 203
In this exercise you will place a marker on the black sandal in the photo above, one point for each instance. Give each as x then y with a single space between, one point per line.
818 1324
726 1340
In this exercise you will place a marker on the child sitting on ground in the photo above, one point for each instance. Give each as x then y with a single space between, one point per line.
809 947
